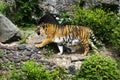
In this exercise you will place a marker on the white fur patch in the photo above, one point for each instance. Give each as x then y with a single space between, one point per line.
60 49
58 40
73 42
68 41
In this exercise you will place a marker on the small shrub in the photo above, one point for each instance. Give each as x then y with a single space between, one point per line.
60 74
2 54
118 62
98 67
24 12
15 75
23 40
50 49
33 71
98 20
115 37
1 65
3 7
49 52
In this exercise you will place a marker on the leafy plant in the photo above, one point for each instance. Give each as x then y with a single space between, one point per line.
24 12
106 25
98 67
2 54
23 40
3 7
50 49
96 19
115 37
60 74
34 71
49 52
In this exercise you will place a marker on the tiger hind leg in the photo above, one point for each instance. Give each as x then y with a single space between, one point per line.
94 47
86 48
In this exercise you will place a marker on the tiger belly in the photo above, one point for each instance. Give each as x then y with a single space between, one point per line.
67 41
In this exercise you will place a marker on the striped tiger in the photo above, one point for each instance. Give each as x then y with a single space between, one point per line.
66 34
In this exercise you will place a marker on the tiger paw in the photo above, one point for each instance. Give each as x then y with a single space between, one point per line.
59 53
83 55
38 45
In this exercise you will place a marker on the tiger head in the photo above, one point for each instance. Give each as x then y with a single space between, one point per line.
45 29
40 29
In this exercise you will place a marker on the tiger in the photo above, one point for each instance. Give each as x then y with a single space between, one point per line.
66 34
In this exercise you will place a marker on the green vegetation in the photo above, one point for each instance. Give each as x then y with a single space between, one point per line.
49 52
1 54
23 11
106 25
51 49
33 71
98 20
3 7
98 67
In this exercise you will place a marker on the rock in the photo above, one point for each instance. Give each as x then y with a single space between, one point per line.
5 60
27 53
22 47
77 64
25 58
10 56
8 46
8 31
35 49
72 69
16 60
45 62
36 56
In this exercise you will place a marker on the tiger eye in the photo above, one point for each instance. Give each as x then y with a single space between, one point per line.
38 32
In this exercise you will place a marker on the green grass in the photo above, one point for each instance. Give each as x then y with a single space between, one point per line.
26 32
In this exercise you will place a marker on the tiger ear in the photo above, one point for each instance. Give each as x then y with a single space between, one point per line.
38 27
43 25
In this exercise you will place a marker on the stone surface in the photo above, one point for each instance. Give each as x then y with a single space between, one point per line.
8 31
27 53
70 62
72 69
22 47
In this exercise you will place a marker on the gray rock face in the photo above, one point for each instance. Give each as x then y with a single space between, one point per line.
8 31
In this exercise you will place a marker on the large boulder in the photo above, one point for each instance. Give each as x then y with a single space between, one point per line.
8 31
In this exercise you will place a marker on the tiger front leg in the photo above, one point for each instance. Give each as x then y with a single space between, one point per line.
45 42
60 47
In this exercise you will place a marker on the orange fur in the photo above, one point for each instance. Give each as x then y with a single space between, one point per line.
54 32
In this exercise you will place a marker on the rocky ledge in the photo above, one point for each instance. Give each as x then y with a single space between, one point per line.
22 53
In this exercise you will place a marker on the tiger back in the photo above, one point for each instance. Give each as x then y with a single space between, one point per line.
66 34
